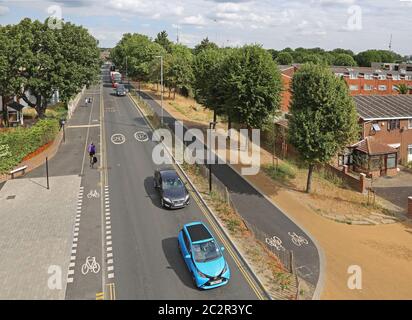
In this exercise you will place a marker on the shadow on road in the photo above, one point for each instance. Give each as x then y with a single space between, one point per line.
175 260
151 192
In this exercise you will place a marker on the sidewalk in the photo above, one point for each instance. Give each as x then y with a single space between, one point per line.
35 229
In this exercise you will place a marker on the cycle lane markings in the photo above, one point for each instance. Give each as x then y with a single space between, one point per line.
72 264
108 242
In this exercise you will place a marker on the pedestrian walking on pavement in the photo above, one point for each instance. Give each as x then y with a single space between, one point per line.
92 153
86 101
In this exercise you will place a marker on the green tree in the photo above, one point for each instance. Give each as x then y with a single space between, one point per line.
62 59
207 67
163 40
323 117
274 53
251 86
284 58
365 58
343 59
180 73
140 52
10 55
203 45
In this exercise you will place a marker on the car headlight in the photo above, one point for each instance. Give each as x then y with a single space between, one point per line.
167 200
187 197
201 274
224 269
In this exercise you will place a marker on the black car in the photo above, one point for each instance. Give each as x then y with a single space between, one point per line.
173 192
120 90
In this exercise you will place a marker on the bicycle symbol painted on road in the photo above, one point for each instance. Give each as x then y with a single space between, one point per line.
297 240
118 138
93 194
275 242
141 136
90 265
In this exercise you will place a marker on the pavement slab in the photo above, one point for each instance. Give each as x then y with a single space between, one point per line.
36 227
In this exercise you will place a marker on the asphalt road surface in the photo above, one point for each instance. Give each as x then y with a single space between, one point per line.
147 263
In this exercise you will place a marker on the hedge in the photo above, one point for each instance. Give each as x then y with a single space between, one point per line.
17 143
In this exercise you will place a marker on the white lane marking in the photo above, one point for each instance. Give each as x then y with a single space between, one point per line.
109 255
110 268
110 275
69 280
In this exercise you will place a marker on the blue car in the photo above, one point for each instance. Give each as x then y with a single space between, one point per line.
203 256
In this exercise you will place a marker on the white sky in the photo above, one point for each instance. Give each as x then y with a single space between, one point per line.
351 24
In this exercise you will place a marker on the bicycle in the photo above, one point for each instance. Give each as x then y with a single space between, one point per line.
275 242
90 265
297 240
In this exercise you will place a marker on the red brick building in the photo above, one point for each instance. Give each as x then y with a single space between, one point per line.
380 79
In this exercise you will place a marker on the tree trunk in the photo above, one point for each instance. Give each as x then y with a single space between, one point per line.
309 182
229 123
170 89
214 116
174 93
4 101
41 107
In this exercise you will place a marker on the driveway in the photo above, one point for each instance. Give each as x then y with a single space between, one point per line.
395 189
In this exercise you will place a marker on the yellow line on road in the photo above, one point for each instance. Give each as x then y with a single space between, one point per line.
250 281
100 296
112 291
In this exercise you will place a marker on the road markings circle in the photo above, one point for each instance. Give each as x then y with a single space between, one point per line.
118 138
141 136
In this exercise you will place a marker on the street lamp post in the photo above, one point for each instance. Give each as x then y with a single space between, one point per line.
212 125
161 85
128 82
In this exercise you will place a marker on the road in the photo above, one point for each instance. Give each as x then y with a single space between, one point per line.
260 212
147 263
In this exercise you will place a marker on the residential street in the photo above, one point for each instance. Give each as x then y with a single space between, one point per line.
147 263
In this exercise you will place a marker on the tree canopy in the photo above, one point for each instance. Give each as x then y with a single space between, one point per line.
323 118
43 60
251 86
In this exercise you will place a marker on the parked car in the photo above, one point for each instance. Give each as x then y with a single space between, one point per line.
172 190
203 256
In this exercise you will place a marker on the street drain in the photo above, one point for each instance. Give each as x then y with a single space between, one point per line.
11 197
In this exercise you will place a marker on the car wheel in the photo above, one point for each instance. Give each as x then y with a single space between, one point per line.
154 183
162 203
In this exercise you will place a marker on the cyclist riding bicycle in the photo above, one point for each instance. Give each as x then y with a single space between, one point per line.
92 151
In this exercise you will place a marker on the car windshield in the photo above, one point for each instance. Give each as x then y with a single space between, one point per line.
172 183
206 251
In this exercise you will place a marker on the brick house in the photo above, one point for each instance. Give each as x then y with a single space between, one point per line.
388 119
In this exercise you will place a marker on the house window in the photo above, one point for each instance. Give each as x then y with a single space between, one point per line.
391 161
368 87
382 88
410 124
353 87
368 76
394 88
382 77
353 75
394 124
396 77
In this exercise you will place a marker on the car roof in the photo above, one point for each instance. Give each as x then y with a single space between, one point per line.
198 232
168 173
